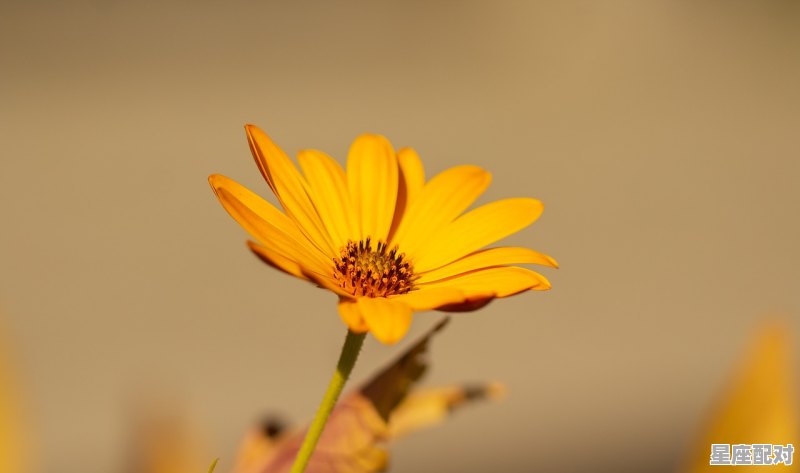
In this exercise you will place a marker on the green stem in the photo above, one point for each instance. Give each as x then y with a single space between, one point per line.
347 359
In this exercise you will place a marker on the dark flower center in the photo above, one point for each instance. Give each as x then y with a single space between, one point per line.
379 272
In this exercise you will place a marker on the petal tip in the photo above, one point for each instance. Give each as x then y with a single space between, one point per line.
249 128
543 284
216 180
373 141
553 262
217 183
535 203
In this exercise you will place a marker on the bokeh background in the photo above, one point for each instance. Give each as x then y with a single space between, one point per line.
662 136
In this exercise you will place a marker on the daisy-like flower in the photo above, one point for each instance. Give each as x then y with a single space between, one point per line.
379 236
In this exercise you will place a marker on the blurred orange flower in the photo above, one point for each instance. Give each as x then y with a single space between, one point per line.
15 448
759 404
380 237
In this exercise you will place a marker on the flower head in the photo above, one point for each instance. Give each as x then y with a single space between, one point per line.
384 240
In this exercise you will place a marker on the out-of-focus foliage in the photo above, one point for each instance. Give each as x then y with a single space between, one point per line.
365 420
427 407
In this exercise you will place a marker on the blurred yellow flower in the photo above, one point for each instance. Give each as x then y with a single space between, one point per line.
14 443
759 406
380 237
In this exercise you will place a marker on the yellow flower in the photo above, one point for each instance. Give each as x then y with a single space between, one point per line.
380 237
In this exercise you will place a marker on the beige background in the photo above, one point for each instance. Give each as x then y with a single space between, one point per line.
662 137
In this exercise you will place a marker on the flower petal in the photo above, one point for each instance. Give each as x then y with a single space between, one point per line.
501 281
441 200
287 265
412 171
257 204
329 283
476 229
430 298
288 244
501 256
412 180
388 320
277 260
351 315
372 177
289 186
327 186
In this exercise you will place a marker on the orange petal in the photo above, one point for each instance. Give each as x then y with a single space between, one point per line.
412 180
430 298
413 172
281 262
289 266
257 204
476 229
289 186
351 316
441 200
501 256
327 185
277 260
372 177
493 282
388 320
271 236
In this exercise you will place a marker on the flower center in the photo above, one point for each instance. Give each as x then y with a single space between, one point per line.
380 272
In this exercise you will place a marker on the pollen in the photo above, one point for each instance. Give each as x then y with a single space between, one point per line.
362 270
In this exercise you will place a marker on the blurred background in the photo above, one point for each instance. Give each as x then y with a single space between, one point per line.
662 137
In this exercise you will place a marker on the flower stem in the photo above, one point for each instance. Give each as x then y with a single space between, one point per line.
347 359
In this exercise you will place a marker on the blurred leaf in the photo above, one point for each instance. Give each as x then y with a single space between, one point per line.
357 429
389 387
760 404
427 407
